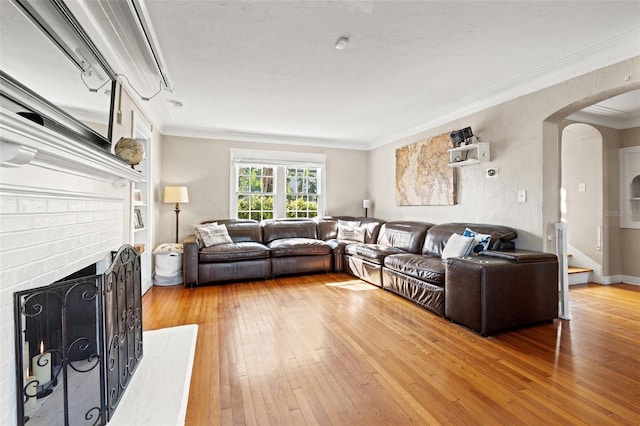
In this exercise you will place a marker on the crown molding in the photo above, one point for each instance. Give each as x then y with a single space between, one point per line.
598 55
281 139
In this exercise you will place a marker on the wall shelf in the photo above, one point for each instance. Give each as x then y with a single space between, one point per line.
467 155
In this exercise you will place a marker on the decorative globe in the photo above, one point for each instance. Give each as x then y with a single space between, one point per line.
130 150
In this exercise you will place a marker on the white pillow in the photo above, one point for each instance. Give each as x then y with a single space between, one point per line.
352 233
457 246
480 241
352 223
212 234
196 228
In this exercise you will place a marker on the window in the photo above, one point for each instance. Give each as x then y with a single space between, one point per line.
255 192
302 192
269 184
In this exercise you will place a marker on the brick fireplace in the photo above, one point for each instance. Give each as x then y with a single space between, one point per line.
64 205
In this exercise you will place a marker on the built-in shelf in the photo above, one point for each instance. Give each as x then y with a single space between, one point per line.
467 155
630 187
142 202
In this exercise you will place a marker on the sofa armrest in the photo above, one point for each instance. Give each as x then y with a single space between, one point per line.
190 261
520 256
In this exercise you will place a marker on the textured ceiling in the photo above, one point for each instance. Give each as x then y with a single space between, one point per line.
268 70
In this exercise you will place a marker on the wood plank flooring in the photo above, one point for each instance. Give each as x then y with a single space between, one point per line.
328 349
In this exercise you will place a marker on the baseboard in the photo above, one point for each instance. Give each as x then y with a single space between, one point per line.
615 279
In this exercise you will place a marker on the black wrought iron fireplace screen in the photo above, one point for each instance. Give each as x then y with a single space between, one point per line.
78 343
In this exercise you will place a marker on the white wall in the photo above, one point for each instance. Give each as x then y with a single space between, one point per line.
203 165
524 139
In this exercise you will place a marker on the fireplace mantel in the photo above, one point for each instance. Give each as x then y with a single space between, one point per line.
23 142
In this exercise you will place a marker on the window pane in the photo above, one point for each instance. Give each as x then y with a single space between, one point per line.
243 202
243 183
267 184
302 187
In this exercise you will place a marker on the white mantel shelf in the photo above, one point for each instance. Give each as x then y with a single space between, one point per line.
23 142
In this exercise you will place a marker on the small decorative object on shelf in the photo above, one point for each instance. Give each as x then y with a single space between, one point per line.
467 149
130 150
139 248
137 219
137 197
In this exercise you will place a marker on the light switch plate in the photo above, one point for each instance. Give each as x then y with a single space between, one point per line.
582 187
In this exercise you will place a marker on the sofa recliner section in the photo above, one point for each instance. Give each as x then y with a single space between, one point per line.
365 260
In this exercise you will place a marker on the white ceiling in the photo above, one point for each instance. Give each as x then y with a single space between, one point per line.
268 70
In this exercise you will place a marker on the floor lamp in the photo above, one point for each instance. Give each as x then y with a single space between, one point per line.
176 194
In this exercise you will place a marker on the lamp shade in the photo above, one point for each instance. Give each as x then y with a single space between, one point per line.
176 194
366 204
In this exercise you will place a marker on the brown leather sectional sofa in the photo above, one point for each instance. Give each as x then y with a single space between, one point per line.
501 288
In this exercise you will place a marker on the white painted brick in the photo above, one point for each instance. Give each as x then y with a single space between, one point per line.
77 205
8 278
15 223
32 205
8 205
94 205
57 205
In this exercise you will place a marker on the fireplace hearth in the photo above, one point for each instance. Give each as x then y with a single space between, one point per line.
78 343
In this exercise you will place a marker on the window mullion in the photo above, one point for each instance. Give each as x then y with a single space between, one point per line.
280 198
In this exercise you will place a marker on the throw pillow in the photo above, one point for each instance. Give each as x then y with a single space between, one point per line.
352 223
457 246
212 234
196 228
352 233
480 241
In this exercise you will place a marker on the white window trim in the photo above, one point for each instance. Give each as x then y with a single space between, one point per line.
276 159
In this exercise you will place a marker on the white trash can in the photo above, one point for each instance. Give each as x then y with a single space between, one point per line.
168 270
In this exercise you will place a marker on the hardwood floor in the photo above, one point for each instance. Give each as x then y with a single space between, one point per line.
329 349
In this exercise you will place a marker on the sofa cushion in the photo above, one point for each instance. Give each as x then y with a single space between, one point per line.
437 236
424 267
298 247
276 229
232 252
405 235
372 226
242 230
372 252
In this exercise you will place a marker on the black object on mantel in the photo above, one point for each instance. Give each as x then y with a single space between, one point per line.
36 118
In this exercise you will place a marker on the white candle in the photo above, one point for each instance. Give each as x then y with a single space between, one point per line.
30 394
25 360
42 366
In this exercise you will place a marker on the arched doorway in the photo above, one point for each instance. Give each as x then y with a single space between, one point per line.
551 176
581 197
